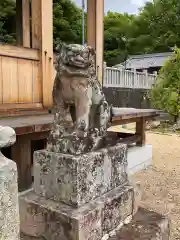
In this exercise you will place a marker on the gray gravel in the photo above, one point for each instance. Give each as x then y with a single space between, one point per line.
161 183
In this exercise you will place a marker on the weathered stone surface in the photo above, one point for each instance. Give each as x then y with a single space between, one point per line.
48 219
137 196
76 180
78 95
146 225
118 205
9 210
7 136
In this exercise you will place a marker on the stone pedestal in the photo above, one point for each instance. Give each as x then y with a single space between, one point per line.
86 197
77 197
51 220
9 209
76 180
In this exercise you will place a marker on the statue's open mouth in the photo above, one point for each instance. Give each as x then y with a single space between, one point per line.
79 64
79 61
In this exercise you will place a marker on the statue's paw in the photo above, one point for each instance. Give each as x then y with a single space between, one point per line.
82 125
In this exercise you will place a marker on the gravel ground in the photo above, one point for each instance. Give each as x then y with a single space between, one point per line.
161 183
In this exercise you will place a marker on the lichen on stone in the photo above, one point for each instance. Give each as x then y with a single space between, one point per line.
78 98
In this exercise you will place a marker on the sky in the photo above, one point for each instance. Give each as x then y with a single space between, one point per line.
130 6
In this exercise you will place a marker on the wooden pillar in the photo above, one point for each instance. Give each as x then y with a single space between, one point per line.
21 154
95 32
23 23
100 39
42 39
141 131
19 22
91 23
36 25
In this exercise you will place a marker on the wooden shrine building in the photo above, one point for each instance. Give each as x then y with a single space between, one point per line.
26 81
27 75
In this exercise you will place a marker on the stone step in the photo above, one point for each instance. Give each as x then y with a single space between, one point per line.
42 218
146 225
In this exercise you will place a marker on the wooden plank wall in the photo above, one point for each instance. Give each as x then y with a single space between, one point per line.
20 80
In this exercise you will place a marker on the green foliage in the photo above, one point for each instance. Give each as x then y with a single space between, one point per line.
155 29
67 21
165 94
116 37
7 21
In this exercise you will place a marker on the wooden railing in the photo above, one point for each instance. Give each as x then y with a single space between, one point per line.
20 76
114 77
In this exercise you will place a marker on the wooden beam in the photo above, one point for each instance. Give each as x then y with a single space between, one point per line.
140 131
20 106
100 39
116 122
42 38
19 52
47 51
36 24
91 23
19 28
95 32
21 154
26 23
23 23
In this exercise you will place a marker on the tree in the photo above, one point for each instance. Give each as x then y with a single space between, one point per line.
165 94
67 21
116 37
66 16
157 28
7 21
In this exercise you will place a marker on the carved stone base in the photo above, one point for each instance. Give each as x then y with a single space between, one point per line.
47 219
84 197
145 225
76 180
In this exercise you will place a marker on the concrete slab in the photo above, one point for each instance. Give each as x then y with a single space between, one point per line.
139 158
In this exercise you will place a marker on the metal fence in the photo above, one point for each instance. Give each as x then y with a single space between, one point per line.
127 79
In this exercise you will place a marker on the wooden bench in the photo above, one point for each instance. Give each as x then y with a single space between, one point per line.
131 115
32 133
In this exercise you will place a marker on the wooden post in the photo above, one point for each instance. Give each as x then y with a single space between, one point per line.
36 24
19 29
145 71
99 38
95 32
21 154
140 131
42 39
23 23
91 23
134 77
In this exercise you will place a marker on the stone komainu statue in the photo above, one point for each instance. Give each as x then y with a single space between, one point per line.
77 93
